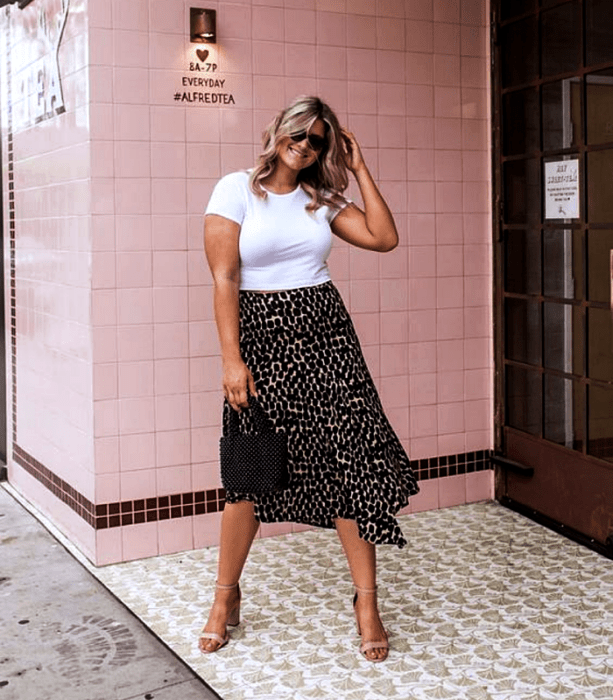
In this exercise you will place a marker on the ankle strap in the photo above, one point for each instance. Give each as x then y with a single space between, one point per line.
225 587
365 590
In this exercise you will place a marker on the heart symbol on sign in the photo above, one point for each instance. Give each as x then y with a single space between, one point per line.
202 54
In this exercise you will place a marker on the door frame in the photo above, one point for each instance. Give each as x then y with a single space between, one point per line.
509 461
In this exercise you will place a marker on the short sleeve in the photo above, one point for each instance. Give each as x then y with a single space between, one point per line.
332 212
229 197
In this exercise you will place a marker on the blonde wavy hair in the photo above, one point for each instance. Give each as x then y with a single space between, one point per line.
326 178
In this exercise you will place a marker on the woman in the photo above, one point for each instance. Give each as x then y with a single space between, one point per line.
287 338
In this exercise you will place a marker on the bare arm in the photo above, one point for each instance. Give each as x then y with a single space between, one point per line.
373 228
221 249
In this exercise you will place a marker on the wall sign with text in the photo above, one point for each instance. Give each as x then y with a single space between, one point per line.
201 83
561 189
37 86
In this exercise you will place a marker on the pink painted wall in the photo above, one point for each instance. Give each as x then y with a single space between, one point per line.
409 77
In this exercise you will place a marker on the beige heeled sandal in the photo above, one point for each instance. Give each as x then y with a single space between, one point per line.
367 646
234 619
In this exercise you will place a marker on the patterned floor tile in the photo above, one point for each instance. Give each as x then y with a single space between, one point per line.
483 604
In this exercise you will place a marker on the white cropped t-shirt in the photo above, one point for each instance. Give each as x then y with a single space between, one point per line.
281 245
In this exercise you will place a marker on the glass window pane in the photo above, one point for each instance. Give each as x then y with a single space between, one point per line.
599 247
561 114
599 92
522 274
514 8
600 443
599 179
599 29
523 331
563 337
564 410
561 39
521 107
600 344
522 191
563 263
523 399
520 49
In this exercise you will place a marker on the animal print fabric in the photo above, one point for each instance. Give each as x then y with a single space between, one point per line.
345 460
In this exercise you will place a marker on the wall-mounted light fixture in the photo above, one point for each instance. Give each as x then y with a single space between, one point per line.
203 26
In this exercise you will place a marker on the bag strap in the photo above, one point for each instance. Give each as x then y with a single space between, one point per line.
262 421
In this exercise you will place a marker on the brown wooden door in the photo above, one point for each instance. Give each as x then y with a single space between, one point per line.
553 151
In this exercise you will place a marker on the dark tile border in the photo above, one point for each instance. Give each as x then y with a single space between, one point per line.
181 505
120 513
452 465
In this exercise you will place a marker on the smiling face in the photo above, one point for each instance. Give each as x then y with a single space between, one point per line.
297 155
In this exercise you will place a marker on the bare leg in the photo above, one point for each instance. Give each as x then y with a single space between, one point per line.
362 560
238 528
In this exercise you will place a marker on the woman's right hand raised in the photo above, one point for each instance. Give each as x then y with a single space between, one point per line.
237 384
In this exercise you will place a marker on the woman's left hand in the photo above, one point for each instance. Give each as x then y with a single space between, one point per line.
353 155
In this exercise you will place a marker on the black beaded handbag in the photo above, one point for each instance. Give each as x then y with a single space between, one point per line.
253 462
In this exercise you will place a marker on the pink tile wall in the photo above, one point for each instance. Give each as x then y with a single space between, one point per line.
409 78
136 168
51 165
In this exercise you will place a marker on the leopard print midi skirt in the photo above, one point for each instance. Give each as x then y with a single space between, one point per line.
345 460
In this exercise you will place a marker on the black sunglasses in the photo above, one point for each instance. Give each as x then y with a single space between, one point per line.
315 142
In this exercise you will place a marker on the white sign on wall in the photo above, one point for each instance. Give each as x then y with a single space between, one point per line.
562 189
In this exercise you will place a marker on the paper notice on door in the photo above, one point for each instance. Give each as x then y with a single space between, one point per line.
562 189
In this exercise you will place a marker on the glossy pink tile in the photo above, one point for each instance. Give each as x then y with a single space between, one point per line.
106 418
135 379
172 447
422 388
206 530
478 352
420 132
450 355
175 535
205 444
134 306
108 547
394 326
419 36
473 72
452 490
480 439
367 326
423 421
360 32
423 448
450 418
449 292
446 38
137 451
138 484
451 444
172 412
473 41
427 498
478 415
420 101
480 486
365 296
478 384
478 321
106 455
422 197
139 541
136 415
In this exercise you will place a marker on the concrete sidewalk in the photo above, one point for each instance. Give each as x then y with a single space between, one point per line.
64 636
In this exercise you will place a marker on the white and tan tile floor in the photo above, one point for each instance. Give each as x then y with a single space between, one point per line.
482 604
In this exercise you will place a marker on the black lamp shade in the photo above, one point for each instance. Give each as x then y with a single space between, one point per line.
203 26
